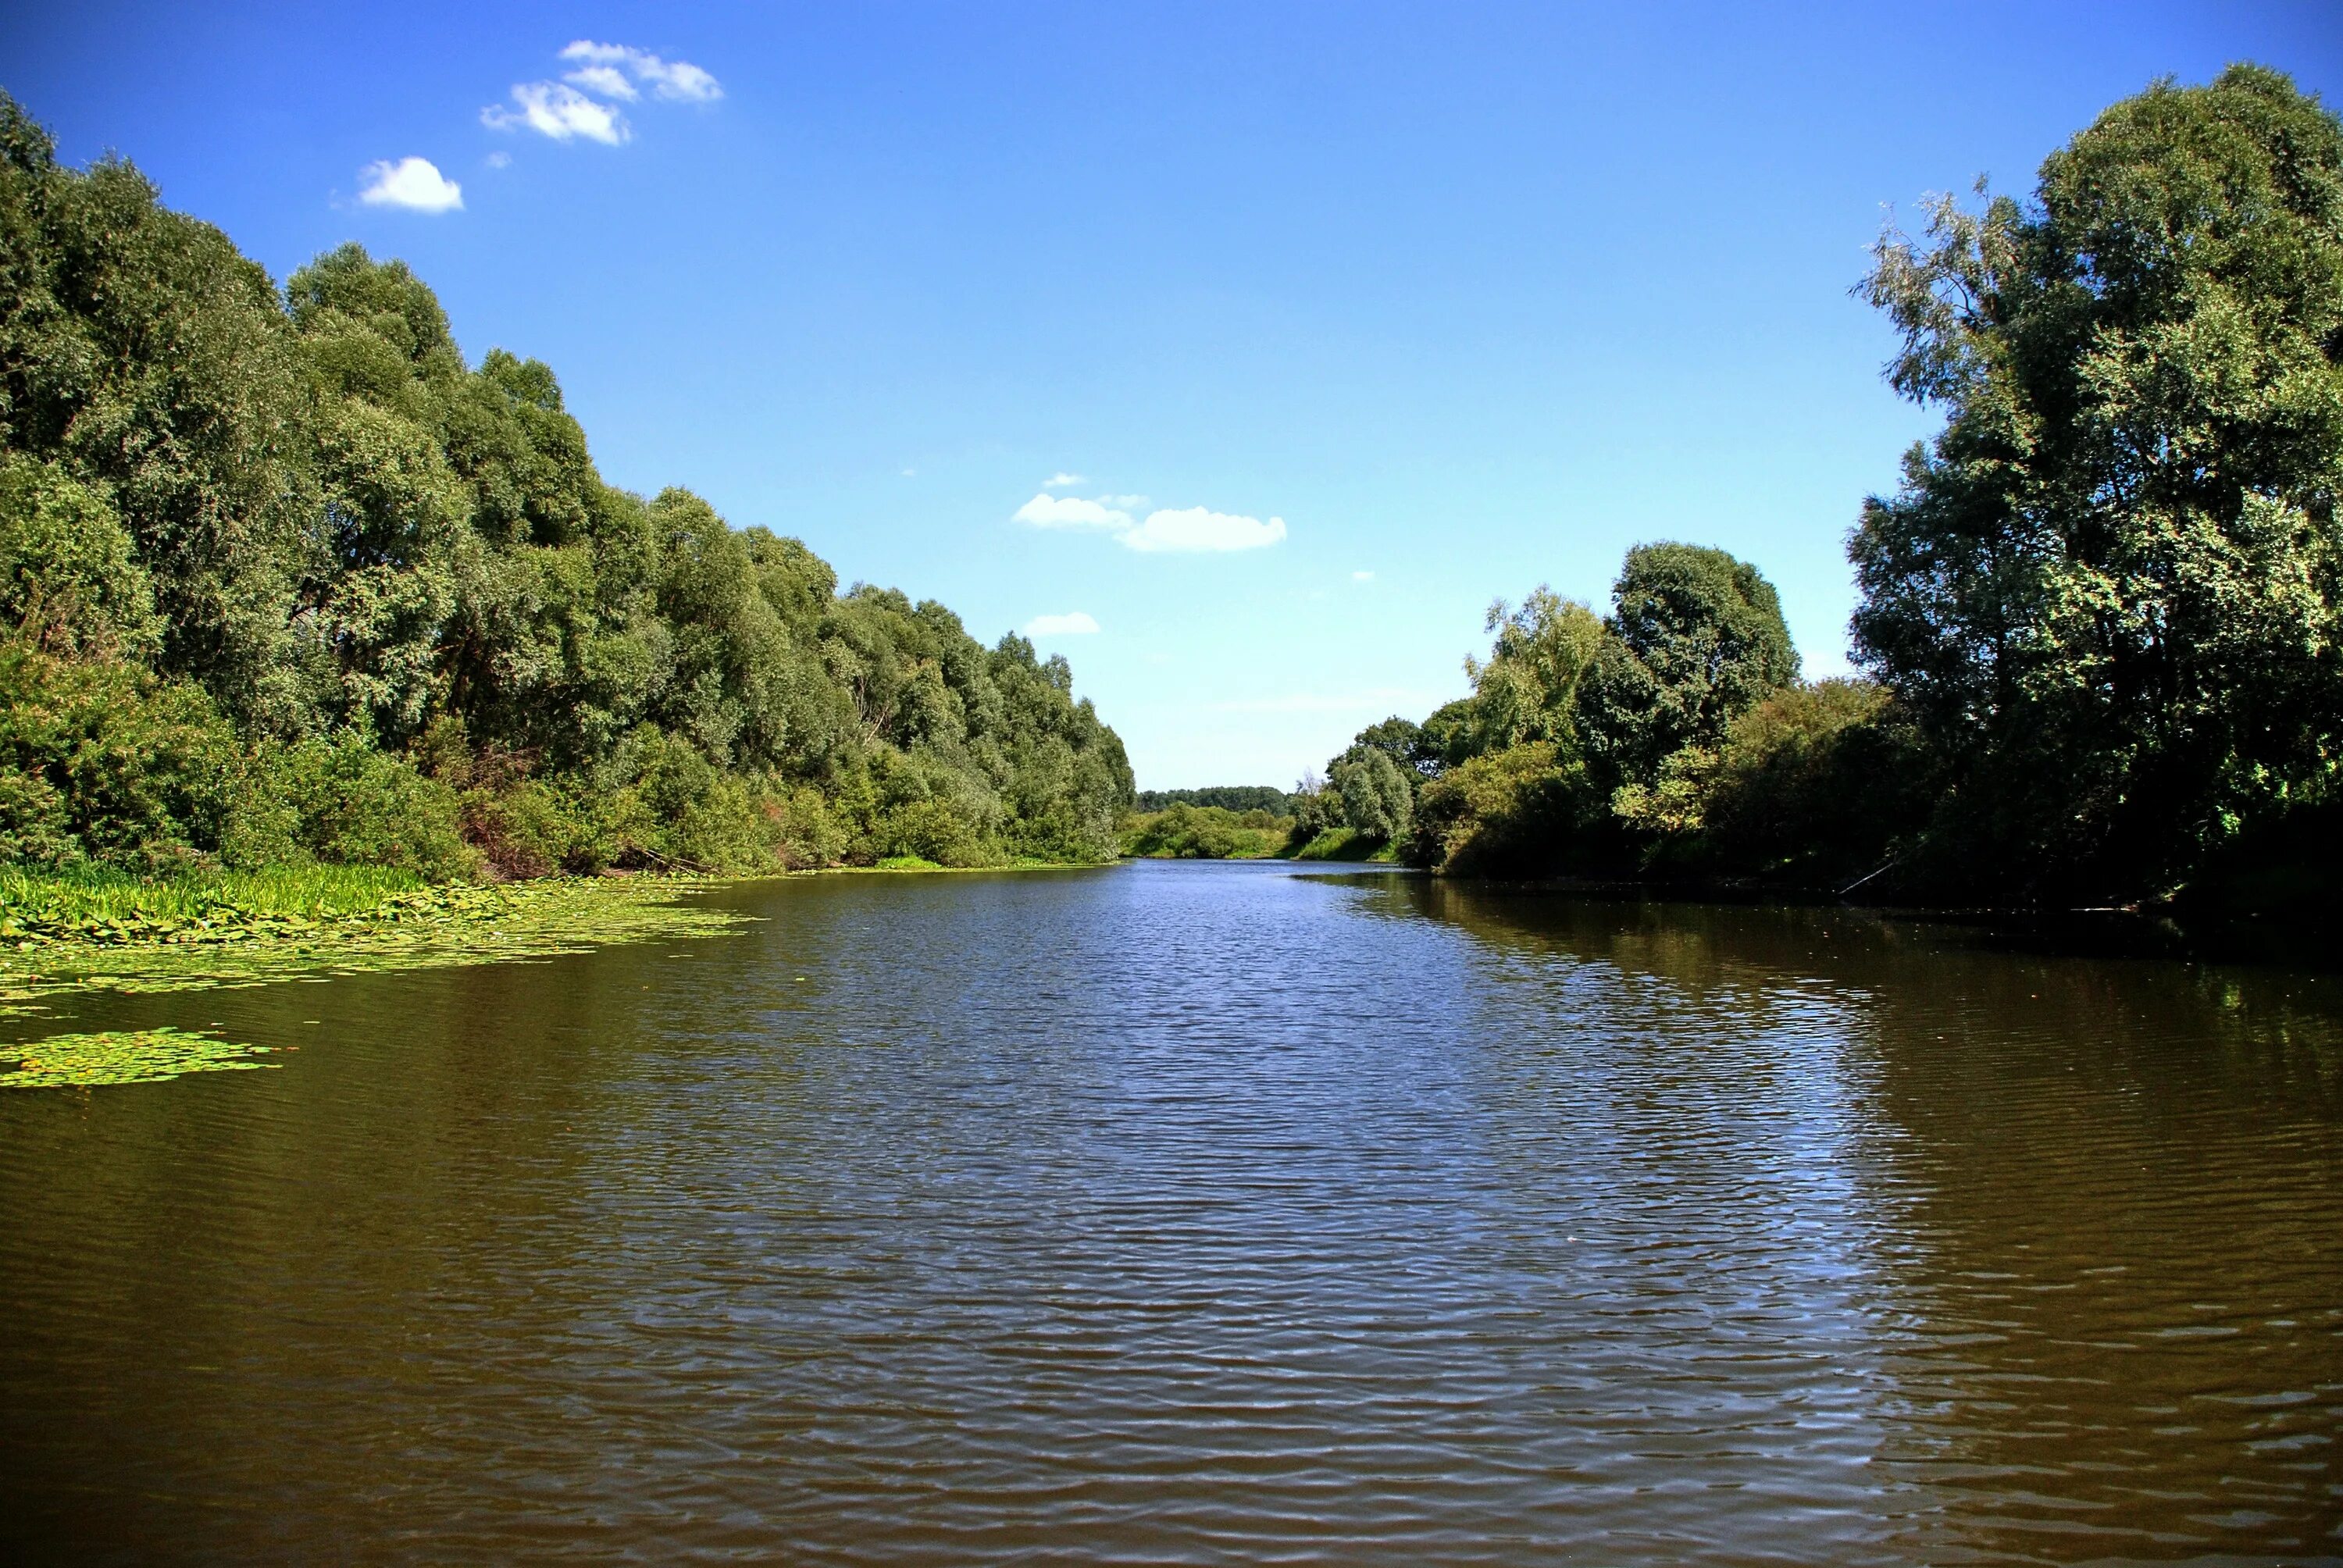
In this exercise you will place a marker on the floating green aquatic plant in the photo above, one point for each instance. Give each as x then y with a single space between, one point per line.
429 928
124 1056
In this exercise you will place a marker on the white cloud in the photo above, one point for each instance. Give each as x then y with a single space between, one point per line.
1363 577
607 80
1074 623
553 110
1060 480
415 184
1197 528
499 160
678 81
1048 511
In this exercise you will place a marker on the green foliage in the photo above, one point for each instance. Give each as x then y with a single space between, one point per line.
102 761
1189 833
1817 785
69 580
339 800
2107 592
1228 796
1378 798
1510 812
1694 640
99 904
1528 689
327 592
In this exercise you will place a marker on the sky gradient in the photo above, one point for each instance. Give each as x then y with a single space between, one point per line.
1245 353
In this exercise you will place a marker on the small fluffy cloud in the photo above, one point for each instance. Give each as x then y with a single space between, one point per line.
606 68
554 110
1198 528
1074 623
1060 480
1363 577
415 184
1048 511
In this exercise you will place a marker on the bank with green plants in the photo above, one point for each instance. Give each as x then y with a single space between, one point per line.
288 580
2098 643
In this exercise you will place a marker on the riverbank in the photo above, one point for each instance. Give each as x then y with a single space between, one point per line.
1185 833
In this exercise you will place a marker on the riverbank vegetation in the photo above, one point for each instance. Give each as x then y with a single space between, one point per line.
2100 634
287 580
1181 831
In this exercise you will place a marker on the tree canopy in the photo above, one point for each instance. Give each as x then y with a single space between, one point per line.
305 525
2108 589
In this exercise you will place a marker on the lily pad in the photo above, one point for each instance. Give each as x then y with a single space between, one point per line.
123 1056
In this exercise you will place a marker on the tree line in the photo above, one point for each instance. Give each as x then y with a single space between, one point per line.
283 576
2097 634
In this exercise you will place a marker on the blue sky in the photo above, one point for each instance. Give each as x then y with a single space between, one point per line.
1330 322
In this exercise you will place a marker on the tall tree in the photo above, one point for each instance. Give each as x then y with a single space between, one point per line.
2108 589
1694 640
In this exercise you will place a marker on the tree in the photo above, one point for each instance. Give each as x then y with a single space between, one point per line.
1694 640
2108 592
1378 802
1527 688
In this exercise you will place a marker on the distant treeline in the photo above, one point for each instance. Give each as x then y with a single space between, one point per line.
2100 633
283 577
1237 798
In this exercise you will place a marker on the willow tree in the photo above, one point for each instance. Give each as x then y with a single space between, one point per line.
2108 588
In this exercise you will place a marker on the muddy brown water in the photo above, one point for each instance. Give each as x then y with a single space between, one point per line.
1198 1213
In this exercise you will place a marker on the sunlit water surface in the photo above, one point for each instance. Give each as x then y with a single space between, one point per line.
1198 1213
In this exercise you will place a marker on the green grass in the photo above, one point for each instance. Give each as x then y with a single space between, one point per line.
1346 844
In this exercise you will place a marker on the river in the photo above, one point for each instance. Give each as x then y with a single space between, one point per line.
1179 1212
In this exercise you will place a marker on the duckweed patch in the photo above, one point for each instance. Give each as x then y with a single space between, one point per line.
123 1056
423 928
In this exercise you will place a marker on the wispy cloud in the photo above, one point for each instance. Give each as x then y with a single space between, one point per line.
1198 529
414 184
1191 530
1060 480
606 68
605 81
552 109
1048 511
1073 623
584 104
1363 577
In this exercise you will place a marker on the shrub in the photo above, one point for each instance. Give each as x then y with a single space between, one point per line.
1515 810
1818 783
349 804
100 762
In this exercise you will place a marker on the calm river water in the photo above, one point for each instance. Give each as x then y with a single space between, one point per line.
1199 1213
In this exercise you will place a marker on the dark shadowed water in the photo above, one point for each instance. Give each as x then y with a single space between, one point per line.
1196 1213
